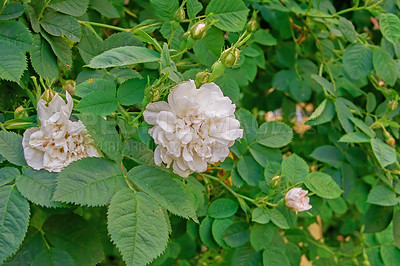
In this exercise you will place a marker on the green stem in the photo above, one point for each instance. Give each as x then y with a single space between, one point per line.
102 25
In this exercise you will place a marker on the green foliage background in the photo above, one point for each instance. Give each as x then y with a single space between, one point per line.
316 90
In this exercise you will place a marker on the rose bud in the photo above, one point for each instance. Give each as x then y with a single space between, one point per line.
198 30
230 56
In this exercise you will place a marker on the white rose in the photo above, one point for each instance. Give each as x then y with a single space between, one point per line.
58 141
296 199
195 127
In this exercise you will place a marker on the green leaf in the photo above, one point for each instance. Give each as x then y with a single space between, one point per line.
357 60
193 7
131 91
371 102
294 169
38 186
102 101
383 196
261 236
60 48
12 62
11 148
43 60
273 256
355 137
327 85
396 228
124 56
90 44
53 256
328 154
231 14
58 24
168 191
94 86
347 29
205 233
250 170
385 154
237 234
377 218
263 154
264 38
229 86
78 183
12 10
14 217
249 124
323 185
73 234
344 115
390 255
138 152
165 9
218 229
278 219
223 208
364 127
8 174
390 26
70 7
385 66
274 134
104 135
147 234
121 39
322 114
16 34
260 216
105 8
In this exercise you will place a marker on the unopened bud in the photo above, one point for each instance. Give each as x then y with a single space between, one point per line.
179 14
202 77
393 104
230 56
70 86
20 112
218 68
275 181
387 135
391 142
252 25
198 30
47 95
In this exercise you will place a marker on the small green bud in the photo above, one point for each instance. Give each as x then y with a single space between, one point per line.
186 35
198 30
230 56
252 25
202 77
275 181
393 104
180 14
20 113
47 95
218 68
190 42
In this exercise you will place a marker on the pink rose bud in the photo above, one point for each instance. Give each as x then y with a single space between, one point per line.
296 199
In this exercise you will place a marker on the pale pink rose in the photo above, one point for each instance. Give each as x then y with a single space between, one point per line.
296 199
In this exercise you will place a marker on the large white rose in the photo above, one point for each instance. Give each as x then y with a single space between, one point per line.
296 199
58 141
195 127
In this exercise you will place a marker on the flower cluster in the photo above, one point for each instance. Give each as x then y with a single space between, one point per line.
58 141
195 127
296 199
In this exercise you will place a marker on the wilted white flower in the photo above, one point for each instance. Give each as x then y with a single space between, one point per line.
58 141
297 200
195 127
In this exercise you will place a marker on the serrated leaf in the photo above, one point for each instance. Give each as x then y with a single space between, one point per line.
322 114
390 26
385 154
13 62
43 59
261 235
16 34
390 255
90 44
323 185
104 135
248 123
371 102
218 229
385 66
38 186
121 39
231 14
105 8
79 183
383 196
237 234
344 115
124 56
53 256
250 170
273 256
260 216
396 228
294 169
138 152
347 29
274 134
70 7
377 218
12 10
205 233
163 188
14 219
93 86
11 148
264 38
60 48
364 127
193 7
73 234
131 91
165 9
327 85
222 208
263 154
8 174
357 60
137 226
58 24
355 137
278 218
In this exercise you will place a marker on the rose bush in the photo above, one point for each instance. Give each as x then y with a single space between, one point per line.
215 132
